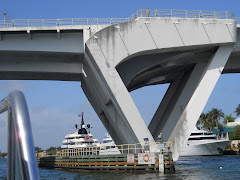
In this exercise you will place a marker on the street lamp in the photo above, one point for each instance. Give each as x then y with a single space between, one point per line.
4 14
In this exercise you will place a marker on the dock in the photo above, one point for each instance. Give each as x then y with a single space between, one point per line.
116 162
126 157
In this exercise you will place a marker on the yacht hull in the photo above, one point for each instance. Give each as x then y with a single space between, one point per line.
204 148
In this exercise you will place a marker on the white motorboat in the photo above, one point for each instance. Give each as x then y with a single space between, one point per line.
108 146
204 143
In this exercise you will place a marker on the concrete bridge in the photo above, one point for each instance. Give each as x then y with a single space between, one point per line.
111 57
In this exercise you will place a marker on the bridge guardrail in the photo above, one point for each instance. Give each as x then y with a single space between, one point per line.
60 22
108 21
182 14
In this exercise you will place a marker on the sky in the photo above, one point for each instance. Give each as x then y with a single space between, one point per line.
54 106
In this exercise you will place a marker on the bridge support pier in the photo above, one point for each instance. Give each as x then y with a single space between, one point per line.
185 99
113 104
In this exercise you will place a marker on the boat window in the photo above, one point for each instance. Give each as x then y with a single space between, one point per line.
195 134
107 141
200 138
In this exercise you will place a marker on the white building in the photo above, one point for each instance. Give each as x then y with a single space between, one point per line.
235 123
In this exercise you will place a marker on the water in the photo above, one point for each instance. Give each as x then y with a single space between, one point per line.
191 168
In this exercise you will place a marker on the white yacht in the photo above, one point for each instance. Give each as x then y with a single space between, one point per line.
204 143
108 141
108 146
80 138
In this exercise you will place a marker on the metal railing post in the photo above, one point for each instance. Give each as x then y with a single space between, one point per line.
11 147
22 162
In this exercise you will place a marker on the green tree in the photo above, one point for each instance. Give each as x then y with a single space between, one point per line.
38 149
237 111
52 150
215 115
201 120
228 118
2 155
211 119
236 131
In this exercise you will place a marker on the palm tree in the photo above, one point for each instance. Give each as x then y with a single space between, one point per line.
213 118
201 120
209 122
228 118
237 111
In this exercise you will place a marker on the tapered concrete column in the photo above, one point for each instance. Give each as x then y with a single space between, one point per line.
114 105
167 105
189 104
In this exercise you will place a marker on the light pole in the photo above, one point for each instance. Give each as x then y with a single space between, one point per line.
4 14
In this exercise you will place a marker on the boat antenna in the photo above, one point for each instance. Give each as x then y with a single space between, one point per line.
82 122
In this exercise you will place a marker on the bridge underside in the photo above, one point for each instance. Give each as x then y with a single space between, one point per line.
31 65
185 70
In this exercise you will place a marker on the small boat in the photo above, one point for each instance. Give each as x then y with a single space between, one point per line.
205 143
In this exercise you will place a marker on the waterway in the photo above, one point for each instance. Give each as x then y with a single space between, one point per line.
191 168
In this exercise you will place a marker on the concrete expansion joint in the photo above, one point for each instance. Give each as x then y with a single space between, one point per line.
175 24
227 25
205 23
96 39
146 23
118 28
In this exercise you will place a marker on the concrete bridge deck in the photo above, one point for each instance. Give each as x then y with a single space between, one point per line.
188 49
